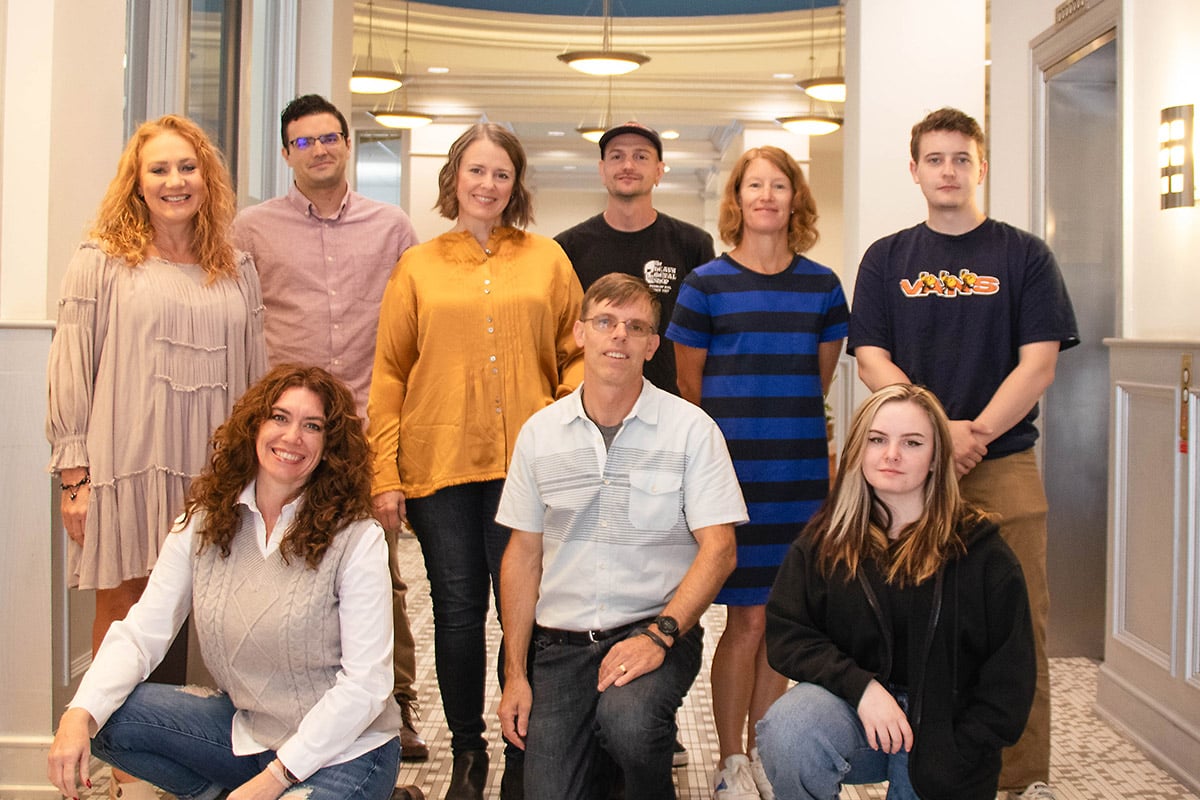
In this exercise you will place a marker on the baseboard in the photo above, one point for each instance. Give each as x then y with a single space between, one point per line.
1168 740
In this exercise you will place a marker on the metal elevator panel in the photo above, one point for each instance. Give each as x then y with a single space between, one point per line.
1083 228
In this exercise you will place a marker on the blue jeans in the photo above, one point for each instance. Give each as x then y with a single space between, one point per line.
577 735
812 741
463 546
179 740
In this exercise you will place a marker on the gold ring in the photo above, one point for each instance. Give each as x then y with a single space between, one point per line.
622 668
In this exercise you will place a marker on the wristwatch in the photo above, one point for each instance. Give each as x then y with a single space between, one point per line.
667 626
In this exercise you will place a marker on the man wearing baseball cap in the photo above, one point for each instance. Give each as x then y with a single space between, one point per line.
630 236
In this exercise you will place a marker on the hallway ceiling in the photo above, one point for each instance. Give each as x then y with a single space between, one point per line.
708 76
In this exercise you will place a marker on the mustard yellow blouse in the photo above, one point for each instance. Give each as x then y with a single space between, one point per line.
472 341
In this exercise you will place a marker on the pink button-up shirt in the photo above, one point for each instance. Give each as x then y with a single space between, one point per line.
323 279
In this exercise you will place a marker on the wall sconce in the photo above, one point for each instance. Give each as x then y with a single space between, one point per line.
1176 157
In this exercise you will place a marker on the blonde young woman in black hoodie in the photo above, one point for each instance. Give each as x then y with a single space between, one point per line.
904 619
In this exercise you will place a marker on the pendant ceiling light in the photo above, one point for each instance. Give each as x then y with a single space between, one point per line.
372 81
402 117
604 61
593 134
832 88
811 124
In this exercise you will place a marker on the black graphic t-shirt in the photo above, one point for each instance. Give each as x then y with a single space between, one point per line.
663 253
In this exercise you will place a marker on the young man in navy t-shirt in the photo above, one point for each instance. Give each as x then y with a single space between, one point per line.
977 311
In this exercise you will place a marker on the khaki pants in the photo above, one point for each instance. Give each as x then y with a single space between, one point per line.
1011 488
404 653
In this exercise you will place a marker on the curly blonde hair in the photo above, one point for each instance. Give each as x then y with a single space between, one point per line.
802 225
123 226
338 490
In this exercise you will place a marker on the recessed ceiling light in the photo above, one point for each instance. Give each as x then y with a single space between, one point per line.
556 133
783 76
438 70
669 134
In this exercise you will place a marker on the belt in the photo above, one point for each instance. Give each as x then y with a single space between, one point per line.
579 638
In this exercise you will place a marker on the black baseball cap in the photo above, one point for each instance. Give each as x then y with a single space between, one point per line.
632 127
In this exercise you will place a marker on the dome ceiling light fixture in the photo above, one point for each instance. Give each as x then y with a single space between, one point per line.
810 123
372 81
832 88
604 61
404 118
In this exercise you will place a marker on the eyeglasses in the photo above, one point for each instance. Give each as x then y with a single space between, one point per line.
634 327
305 142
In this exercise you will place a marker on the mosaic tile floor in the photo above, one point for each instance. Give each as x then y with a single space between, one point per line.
1089 761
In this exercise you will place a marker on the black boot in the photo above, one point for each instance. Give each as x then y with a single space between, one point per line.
469 775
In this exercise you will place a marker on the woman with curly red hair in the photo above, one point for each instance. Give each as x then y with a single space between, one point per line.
286 576
159 331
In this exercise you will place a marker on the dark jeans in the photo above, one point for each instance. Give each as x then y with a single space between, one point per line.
462 545
179 740
577 735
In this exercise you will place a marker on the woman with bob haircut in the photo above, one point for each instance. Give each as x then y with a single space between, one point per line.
286 576
475 335
757 336
159 331
903 617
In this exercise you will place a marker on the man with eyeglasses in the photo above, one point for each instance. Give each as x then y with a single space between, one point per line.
633 237
622 500
324 254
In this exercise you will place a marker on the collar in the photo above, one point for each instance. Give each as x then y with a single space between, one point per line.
250 501
307 209
646 408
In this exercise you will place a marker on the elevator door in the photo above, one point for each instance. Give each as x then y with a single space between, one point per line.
1083 198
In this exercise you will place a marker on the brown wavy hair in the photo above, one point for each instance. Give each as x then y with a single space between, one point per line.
123 226
853 523
338 490
802 224
519 211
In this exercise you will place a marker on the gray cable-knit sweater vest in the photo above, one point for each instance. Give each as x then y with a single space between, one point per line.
269 631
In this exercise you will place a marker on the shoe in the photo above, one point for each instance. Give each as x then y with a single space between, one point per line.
512 782
412 746
469 775
679 758
735 782
408 793
1034 791
760 776
132 790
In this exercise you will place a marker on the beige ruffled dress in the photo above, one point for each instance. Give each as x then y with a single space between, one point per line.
145 364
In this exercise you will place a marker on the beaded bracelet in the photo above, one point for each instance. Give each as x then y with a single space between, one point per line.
74 488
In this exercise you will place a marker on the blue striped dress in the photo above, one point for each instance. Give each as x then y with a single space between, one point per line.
763 387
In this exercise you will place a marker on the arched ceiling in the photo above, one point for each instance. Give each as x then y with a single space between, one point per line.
707 77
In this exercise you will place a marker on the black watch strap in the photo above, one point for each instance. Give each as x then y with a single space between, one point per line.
667 626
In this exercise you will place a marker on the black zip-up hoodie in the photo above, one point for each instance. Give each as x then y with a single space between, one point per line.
971 670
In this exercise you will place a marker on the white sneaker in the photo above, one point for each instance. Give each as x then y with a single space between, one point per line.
735 782
760 776
1034 791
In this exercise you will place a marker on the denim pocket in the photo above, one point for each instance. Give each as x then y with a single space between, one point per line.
654 499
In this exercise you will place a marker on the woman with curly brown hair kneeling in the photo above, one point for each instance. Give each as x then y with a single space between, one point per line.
286 576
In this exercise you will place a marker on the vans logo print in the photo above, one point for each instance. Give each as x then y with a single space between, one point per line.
947 284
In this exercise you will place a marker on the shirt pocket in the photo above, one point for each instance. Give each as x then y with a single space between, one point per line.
655 501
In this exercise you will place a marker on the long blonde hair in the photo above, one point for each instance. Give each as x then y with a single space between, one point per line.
852 526
123 226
